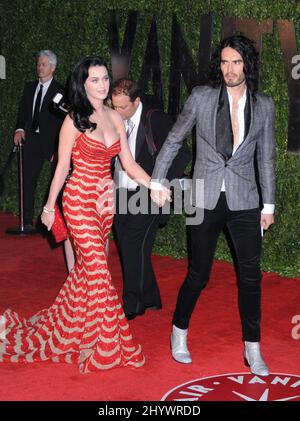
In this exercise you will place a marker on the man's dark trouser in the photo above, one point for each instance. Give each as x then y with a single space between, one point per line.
245 232
33 161
135 238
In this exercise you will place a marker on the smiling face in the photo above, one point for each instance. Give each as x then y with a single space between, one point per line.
232 67
97 83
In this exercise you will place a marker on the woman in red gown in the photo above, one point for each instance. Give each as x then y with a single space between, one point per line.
86 323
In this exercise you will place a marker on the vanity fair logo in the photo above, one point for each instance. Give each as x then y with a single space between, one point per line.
238 387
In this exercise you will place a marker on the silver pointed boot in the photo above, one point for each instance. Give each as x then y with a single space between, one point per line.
254 359
180 353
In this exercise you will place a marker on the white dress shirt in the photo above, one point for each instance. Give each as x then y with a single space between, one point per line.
268 207
45 89
121 178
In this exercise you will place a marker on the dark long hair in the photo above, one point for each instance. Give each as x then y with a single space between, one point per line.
80 106
245 47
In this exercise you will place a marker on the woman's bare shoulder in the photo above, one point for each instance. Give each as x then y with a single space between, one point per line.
68 126
112 112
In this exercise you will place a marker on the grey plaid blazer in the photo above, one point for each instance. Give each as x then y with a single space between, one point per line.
238 172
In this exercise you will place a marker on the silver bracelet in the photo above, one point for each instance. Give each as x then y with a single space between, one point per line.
47 210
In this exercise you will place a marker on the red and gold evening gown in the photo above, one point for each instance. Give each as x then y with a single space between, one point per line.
86 323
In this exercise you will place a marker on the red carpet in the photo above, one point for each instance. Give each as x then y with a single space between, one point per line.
31 275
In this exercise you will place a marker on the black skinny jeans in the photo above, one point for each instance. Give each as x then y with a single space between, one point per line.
245 232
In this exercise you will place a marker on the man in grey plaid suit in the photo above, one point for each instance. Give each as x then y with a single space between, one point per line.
234 128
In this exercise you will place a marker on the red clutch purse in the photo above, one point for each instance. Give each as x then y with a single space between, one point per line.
59 229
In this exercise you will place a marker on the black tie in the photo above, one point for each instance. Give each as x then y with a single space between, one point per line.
224 135
36 112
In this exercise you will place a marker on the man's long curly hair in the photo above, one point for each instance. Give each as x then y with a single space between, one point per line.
245 47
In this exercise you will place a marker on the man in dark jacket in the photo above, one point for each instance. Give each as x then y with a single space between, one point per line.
38 124
146 132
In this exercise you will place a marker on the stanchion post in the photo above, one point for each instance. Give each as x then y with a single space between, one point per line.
21 230
21 187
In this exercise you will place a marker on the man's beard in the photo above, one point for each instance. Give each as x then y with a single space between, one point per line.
234 84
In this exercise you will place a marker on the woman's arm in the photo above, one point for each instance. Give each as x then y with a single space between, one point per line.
133 170
67 136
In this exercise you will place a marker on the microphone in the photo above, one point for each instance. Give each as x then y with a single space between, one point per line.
59 102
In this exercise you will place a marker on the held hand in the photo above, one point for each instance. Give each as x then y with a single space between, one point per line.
18 138
48 217
266 220
159 194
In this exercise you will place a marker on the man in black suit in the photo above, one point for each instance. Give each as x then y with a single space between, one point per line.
38 124
146 132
